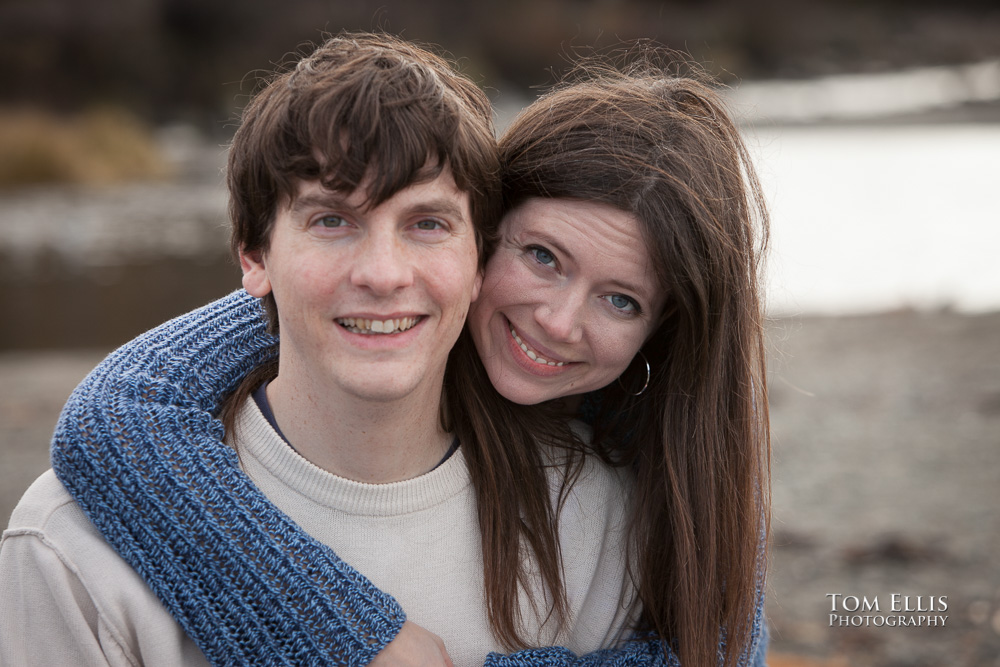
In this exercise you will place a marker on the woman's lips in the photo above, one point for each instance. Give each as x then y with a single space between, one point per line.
531 353
529 359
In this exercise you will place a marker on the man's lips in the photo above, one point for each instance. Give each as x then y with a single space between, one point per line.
389 325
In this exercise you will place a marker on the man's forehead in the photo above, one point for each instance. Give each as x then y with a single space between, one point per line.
438 190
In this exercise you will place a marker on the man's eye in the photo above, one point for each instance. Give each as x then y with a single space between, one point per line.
542 255
624 303
331 221
428 225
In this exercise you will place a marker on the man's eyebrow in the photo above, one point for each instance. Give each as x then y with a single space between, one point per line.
439 206
321 200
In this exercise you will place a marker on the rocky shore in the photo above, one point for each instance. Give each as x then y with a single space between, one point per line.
886 449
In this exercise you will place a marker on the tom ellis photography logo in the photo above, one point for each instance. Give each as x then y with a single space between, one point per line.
897 610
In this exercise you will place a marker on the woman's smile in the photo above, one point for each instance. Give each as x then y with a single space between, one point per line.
532 360
568 299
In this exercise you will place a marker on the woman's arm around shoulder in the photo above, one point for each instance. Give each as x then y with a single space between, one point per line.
635 652
139 449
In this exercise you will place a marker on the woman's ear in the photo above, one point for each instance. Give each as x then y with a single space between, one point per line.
669 309
255 280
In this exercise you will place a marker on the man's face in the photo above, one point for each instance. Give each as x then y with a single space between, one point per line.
370 300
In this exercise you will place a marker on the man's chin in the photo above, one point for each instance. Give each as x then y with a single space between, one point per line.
378 389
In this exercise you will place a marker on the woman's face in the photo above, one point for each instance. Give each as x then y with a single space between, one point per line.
568 299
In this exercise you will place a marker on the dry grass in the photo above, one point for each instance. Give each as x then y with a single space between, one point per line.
101 146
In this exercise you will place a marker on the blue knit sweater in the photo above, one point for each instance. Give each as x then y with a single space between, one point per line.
139 449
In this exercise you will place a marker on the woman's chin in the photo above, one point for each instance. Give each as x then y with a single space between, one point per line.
523 395
521 390
524 387
524 391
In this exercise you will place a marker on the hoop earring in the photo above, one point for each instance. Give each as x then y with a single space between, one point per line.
645 385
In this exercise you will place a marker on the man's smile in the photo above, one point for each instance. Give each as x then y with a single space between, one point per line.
360 325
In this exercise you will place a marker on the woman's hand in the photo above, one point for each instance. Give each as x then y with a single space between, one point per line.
413 646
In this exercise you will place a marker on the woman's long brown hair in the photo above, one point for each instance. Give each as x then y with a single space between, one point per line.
664 148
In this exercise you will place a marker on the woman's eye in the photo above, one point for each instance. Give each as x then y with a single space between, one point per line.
623 303
331 221
542 255
428 225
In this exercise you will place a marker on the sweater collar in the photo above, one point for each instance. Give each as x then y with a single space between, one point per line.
269 460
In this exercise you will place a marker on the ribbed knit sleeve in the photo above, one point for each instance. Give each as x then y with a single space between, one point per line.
637 652
139 449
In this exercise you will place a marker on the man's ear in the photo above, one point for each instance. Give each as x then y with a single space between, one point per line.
255 280
477 286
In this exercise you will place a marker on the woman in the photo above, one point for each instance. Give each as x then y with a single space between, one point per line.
623 288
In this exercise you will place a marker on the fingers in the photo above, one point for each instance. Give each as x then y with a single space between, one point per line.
414 646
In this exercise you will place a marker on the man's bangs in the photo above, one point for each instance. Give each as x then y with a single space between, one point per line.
386 160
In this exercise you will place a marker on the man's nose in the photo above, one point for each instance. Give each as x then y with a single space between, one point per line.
382 263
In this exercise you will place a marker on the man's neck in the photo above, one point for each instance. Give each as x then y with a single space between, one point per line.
362 440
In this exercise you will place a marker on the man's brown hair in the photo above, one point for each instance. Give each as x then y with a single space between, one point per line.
361 107
372 109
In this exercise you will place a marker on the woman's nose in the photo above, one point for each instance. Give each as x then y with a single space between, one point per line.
561 317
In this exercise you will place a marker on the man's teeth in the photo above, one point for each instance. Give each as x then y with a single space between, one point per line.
531 353
363 326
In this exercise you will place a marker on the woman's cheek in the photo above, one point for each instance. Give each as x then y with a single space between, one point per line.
616 352
497 271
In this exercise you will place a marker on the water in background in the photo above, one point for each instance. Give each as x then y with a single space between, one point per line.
872 218
868 215
883 188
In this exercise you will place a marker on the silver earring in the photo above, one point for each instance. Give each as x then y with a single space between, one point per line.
645 384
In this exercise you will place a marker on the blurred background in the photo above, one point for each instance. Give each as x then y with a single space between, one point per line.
876 129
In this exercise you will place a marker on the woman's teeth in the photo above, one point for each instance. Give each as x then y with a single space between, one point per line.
362 326
531 353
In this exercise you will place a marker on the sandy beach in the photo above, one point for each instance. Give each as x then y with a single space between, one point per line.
886 447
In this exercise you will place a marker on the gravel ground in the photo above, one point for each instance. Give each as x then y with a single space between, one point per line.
886 449
886 439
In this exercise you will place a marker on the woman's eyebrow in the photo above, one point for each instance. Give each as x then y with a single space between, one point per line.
624 285
545 238
638 290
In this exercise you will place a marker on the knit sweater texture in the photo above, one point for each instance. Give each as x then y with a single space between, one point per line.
140 450
67 598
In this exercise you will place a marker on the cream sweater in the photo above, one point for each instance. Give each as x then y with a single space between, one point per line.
67 598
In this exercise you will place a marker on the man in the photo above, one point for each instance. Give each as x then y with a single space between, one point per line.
356 181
